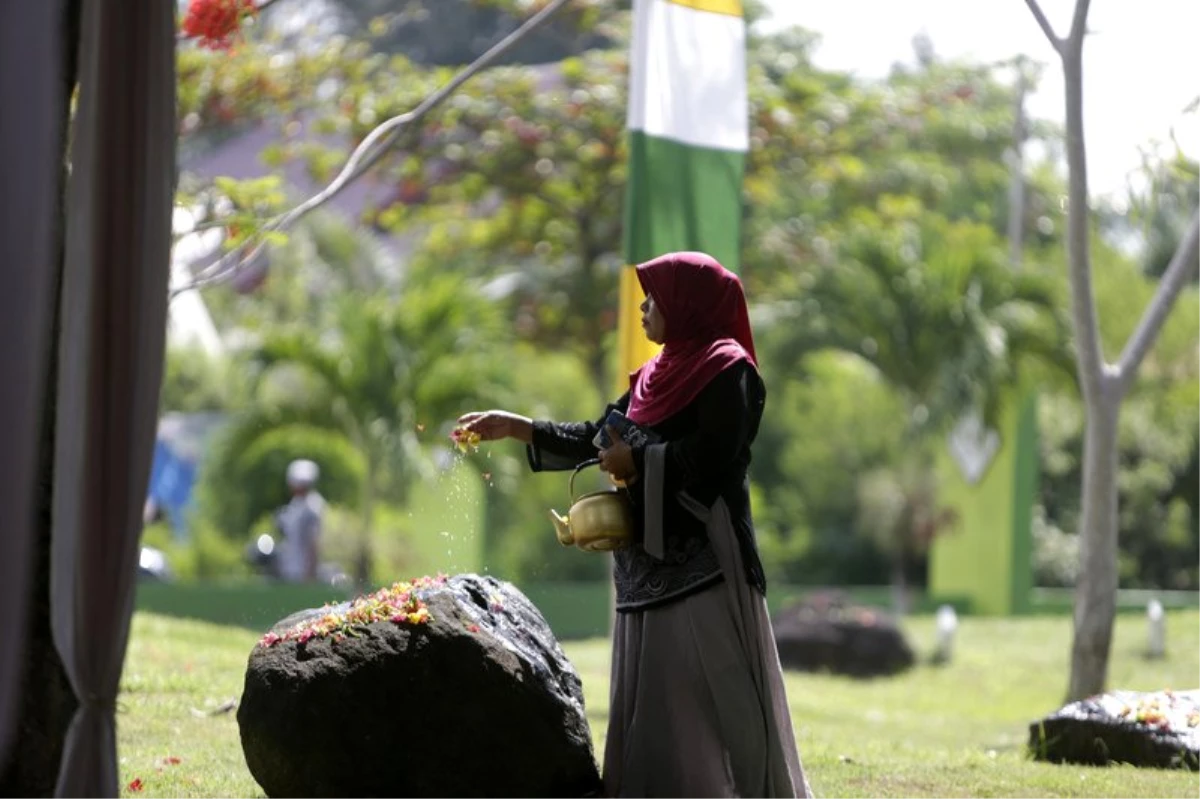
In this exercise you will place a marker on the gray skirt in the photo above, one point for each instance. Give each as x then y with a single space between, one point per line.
698 706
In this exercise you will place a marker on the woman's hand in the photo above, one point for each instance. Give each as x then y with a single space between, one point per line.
617 460
497 425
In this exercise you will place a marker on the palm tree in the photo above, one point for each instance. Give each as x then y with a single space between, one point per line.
933 306
350 359
898 506
384 372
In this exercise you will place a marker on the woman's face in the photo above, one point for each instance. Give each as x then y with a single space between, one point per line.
652 321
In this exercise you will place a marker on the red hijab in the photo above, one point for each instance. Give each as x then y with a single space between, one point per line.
707 331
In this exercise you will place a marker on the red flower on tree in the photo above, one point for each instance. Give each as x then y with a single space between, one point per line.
216 22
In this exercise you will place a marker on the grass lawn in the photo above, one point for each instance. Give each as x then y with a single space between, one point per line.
958 730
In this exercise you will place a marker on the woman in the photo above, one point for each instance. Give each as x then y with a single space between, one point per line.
697 697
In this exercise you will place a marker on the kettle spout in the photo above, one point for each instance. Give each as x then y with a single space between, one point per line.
562 529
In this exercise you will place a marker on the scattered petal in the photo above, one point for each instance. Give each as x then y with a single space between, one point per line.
137 784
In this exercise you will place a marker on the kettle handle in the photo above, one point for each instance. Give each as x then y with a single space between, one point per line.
571 482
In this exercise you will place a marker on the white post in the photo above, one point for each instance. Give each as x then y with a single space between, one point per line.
947 624
1157 639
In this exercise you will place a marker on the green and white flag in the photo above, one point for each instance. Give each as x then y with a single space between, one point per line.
688 135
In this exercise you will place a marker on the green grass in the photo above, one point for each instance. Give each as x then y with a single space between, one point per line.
959 730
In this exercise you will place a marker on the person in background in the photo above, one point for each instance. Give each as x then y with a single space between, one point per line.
697 701
300 524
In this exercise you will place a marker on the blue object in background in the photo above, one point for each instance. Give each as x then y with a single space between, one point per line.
171 481
178 451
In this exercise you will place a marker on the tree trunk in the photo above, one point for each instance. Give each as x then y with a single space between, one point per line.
362 567
1096 591
1095 597
591 307
48 702
597 362
900 593
1103 385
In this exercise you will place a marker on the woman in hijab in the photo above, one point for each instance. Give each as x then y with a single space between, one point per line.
697 697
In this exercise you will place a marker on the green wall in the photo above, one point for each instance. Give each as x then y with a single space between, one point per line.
986 558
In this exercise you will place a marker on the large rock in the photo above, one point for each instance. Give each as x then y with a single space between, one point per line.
828 633
477 700
1143 729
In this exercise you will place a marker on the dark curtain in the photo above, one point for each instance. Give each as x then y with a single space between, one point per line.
114 307
30 165
110 341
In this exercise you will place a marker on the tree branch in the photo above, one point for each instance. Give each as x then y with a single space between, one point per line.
1095 376
1182 267
365 155
212 224
1079 23
1047 29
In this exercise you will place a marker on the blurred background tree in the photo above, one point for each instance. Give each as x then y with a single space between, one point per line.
875 214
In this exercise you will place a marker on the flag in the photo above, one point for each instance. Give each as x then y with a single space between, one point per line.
688 130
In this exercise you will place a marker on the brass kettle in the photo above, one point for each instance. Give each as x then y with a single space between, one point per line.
597 522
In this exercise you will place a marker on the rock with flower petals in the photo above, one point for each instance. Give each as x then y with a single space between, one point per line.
436 687
1159 729
828 633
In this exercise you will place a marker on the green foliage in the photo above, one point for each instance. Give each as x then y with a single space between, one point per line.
222 93
392 555
826 148
1122 293
157 535
543 151
1159 527
821 430
945 324
1158 436
785 538
205 555
934 308
521 542
1055 553
1155 214
252 203
195 382
899 505
209 555
323 260
452 32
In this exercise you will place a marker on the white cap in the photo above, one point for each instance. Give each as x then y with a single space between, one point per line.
302 472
